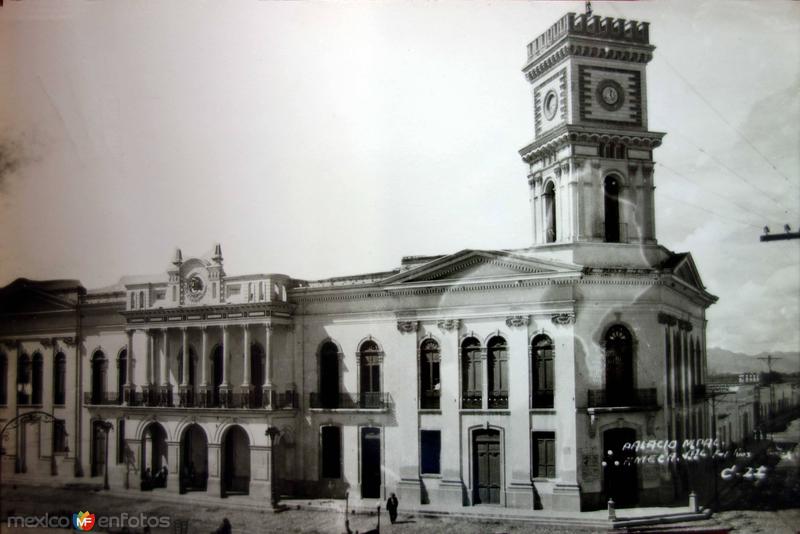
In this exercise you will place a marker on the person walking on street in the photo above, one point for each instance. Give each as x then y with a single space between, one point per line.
391 505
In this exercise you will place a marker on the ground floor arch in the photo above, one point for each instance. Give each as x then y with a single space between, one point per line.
235 462
154 457
193 459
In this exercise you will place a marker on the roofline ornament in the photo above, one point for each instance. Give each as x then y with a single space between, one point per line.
518 321
449 324
563 319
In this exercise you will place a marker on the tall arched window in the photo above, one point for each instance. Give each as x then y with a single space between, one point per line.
3 379
329 375
550 213
37 380
471 374
611 196
430 389
497 354
619 364
543 380
370 374
122 374
99 369
60 379
23 379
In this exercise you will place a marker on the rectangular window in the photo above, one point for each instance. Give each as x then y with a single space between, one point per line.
430 451
174 293
331 452
544 454
214 290
59 436
120 441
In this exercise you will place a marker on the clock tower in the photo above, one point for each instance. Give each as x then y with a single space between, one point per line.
591 158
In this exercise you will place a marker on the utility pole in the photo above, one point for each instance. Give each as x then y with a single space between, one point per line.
713 396
788 234
769 359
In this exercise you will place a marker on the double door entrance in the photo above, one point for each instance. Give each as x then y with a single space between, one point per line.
487 467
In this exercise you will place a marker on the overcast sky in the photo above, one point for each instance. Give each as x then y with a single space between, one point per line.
323 139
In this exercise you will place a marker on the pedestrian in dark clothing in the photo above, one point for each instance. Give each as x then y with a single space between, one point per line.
224 528
391 506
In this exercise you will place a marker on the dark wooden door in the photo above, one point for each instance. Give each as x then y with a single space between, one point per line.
486 451
370 463
620 480
98 449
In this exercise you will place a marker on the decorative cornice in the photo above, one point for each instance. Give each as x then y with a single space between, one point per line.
518 321
407 327
562 319
553 141
604 50
449 324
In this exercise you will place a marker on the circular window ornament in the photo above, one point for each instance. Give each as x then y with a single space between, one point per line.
610 95
195 287
550 105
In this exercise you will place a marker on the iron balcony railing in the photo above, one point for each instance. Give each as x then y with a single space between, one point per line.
101 398
350 401
189 397
542 399
430 400
620 398
498 399
472 400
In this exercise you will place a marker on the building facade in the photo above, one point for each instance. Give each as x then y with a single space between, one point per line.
486 377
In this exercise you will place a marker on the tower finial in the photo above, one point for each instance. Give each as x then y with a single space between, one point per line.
588 8
178 259
217 253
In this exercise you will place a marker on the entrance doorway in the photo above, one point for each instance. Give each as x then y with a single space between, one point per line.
370 463
257 375
235 462
154 456
620 481
487 467
216 374
194 459
98 449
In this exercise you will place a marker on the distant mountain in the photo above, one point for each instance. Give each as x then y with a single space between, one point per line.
726 361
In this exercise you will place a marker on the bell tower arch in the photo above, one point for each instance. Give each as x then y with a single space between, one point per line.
590 164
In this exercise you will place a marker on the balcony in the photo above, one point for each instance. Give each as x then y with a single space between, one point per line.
632 399
188 397
430 400
498 400
350 401
542 400
472 400
102 398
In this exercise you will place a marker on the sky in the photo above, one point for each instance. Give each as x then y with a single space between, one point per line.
324 139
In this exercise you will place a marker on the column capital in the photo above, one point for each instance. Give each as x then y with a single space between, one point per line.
268 326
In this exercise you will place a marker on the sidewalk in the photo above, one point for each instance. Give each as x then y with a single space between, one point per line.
597 519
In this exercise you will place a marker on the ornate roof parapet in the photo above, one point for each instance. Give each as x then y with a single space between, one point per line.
587 28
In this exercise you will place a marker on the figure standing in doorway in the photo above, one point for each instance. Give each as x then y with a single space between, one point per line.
391 505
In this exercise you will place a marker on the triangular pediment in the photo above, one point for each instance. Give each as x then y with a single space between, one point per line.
479 265
683 267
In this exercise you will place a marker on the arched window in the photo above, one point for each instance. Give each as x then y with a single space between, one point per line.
99 369
619 365
60 379
471 374
611 196
141 299
543 380
498 372
3 379
329 375
37 380
430 388
619 151
550 213
23 379
370 374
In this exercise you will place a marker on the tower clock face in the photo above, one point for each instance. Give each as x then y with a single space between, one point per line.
550 105
610 94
